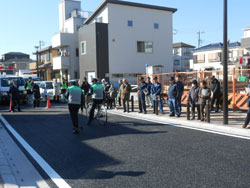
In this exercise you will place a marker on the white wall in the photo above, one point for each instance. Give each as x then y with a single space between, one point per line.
104 14
123 56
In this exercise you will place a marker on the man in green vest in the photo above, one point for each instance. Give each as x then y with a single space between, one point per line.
74 104
97 92
64 87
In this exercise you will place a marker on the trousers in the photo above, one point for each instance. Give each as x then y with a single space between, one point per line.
73 110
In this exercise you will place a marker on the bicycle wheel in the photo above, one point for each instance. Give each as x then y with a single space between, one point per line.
88 107
102 115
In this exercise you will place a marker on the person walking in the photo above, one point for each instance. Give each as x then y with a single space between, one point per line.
112 96
204 95
124 94
142 90
216 93
180 87
64 86
28 88
247 120
148 94
156 94
85 87
37 95
193 98
173 93
74 103
14 96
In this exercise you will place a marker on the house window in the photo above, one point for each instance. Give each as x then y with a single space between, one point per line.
83 47
156 25
144 47
214 57
99 20
176 50
48 56
130 23
76 75
77 52
201 58
176 62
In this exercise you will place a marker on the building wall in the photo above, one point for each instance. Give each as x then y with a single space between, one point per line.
102 14
123 55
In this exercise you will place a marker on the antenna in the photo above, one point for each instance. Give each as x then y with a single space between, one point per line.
41 44
199 37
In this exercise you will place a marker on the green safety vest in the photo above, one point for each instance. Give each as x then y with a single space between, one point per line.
74 95
97 91
28 85
64 85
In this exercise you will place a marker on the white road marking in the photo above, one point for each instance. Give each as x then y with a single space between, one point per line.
43 164
144 118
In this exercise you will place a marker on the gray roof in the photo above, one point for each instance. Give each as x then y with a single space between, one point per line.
127 4
217 46
182 44
15 53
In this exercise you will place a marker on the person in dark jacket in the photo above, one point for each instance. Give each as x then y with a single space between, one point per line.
37 95
204 95
247 120
14 96
193 97
173 93
180 87
156 94
216 93
142 90
85 87
148 94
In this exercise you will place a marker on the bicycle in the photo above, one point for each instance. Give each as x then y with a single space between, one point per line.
100 113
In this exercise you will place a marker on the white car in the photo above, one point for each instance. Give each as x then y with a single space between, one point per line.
47 89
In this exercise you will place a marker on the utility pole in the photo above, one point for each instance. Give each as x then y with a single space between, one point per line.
199 37
225 71
37 47
41 43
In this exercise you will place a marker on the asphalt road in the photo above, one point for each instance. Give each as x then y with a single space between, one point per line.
133 153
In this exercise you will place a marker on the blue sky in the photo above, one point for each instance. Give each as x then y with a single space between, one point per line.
24 22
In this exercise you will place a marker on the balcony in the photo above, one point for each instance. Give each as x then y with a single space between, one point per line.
60 62
62 39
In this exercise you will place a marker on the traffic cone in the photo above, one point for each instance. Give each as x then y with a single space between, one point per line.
10 104
48 103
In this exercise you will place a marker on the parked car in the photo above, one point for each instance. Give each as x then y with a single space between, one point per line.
5 82
47 89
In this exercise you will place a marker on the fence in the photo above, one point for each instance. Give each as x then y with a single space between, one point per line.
237 81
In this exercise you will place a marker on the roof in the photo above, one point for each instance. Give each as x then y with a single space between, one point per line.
15 53
182 44
126 3
217 46
22 60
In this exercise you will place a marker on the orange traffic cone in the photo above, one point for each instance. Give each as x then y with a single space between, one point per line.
48 103
10 104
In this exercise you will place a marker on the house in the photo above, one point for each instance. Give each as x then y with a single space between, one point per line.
245 43
71 18
12 62
209 57
183 53
120 38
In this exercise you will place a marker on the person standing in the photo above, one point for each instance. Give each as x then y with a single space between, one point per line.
124 94
28 88
247 120
216 93
204 95
57 90
173 93
85 87
74 104
156 94
64 86
37 95
112 96
119 98
142 90
148 94
14 96
193 97
180 87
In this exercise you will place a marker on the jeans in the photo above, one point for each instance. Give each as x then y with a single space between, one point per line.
159 104
92 110
15 102
73 110
173 107
142 103
217 98
179 104
125 105
247 120
193 106
36 102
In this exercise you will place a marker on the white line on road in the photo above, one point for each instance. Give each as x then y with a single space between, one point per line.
181 125
43 164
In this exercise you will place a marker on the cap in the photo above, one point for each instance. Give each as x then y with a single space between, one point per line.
94 80
155 78
171 78
142 78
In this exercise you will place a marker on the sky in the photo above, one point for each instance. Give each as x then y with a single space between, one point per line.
23 23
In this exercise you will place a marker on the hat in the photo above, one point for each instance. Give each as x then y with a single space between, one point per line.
142 78
155 78
194 82
171 78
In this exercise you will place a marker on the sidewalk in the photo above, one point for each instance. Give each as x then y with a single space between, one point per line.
236 119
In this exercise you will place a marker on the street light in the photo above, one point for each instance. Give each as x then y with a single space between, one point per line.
225 71
37 47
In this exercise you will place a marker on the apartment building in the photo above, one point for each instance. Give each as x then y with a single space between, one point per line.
183 53
120 38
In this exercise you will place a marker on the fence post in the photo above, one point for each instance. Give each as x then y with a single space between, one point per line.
132 103
188 110
207 111
156 105
234 91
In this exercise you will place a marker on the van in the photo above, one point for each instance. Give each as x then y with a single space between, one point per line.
47 89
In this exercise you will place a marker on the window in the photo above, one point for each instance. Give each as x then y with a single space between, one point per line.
200 58
77 52
76 75
186 51
214 57
48 56
176 62
144 47
98 20
83 46
130 23
156 25
176 50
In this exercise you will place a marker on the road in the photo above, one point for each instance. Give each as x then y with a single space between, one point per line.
132 153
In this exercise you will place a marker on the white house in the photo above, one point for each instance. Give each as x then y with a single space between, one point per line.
183 53
71 18
120 38
245 43
209 57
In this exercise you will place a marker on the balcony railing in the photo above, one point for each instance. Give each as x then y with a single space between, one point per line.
61 62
